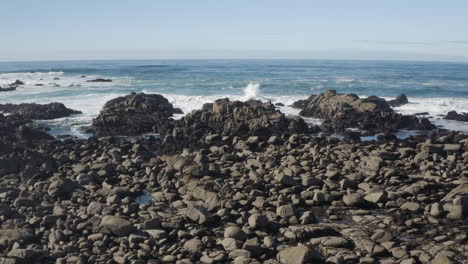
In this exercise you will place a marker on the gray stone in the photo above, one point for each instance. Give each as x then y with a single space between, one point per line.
286 211
117 225
194 245
235 232
300 254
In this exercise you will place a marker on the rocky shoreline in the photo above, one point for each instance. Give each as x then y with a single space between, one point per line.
233 182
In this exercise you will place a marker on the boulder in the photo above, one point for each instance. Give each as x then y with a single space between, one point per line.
235 232
298 255
329 105
133 114
373 114
39 111
243 119
453 115
117 225
301 104
399 101
15 128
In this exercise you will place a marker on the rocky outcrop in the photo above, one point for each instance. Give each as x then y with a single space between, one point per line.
15 128
453 115
133 114
301 104
242 119
330 105
11 86
399 101
39 111
374 114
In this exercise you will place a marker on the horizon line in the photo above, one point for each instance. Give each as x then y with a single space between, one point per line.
235 59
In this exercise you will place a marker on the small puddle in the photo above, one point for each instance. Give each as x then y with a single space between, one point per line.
144 198
406 239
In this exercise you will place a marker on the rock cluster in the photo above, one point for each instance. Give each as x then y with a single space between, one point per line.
133 114
11 86
224 118
372 114
39 111
453 115
288 198
14 128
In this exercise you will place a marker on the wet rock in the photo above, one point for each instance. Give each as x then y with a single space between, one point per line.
399 101
301 104
453 115
39 111
341 111
242 119
99 80
12 86
133 114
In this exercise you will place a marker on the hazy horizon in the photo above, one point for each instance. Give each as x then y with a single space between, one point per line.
338 30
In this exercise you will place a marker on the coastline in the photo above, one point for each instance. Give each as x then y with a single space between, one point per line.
225 185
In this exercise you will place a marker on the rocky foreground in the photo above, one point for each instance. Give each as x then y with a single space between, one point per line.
234 182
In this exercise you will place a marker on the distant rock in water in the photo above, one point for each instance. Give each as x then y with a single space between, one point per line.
301 104
133 114
242 119
100 80
399 101
453 115
7 89
39 111
374 114
12 86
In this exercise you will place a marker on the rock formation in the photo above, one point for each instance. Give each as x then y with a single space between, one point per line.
133 114
39 111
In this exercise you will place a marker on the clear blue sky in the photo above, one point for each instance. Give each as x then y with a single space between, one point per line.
152 29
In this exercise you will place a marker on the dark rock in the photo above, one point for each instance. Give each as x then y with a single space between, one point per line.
420 114
133 114
11 86
399 101
39 111
99 80
372 114
453 115
243 119
301 104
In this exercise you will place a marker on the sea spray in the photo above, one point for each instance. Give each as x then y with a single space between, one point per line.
251 91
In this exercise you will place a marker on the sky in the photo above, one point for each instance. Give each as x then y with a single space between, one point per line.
241 29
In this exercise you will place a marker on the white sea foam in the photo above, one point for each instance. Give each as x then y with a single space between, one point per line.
89 97
251 91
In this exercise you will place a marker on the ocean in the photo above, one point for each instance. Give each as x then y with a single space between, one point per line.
433 87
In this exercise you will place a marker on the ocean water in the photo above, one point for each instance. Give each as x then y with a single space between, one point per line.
433 87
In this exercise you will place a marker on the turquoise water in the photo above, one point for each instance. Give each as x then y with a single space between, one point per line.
434 87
